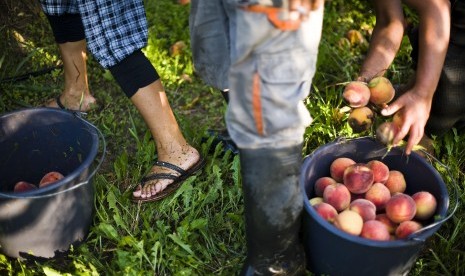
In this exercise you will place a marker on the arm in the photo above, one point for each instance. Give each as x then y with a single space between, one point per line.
434 29
385 40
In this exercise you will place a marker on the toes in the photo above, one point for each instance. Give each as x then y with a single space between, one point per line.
138 191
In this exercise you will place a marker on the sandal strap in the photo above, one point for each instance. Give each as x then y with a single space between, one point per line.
170 166
60 104
155 176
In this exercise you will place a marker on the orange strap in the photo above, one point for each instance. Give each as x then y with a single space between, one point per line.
273 14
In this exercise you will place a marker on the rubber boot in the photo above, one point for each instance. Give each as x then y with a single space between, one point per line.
273 207
222 135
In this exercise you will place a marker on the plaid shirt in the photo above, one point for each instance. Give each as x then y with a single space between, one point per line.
114 29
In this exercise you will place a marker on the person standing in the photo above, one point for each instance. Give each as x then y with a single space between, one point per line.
265 52
115 33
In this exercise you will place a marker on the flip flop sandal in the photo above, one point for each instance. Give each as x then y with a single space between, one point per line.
62 106
173 186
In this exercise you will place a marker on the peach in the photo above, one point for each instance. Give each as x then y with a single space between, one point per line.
378 194
365 208
386 132
401 207
326 211
406 228
381 91
321 183
391 226
396 182
426 205
338 167
356 94
349 221
338 196
375 230
358 178
23 186
361 119
177 48
50 178
315 200
380 171
398 118
355 37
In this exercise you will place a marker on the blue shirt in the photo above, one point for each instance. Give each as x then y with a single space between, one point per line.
113 29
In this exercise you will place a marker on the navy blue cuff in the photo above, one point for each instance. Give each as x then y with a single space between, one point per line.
134 72
67 27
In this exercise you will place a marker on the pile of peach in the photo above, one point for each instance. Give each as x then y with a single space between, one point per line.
369 200
47 179
365 99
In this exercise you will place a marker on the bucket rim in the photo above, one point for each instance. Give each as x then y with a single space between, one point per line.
86 163
418 239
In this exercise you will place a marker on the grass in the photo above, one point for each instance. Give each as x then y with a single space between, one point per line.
199 230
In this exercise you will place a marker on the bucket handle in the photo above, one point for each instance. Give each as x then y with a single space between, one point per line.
104 150
414 235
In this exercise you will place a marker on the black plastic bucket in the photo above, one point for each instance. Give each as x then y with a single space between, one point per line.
45 222
331 251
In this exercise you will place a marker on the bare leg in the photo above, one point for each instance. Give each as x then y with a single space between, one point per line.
76 94
152 103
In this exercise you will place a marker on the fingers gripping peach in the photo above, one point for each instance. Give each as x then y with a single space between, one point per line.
386 132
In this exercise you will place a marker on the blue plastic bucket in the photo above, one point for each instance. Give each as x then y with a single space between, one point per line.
331 251
45 222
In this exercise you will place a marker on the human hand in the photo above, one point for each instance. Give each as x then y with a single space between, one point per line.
413 110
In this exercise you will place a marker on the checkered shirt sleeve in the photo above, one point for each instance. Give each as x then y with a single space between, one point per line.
114 29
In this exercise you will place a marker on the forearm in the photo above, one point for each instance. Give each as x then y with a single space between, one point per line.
434 30
382 51
386 39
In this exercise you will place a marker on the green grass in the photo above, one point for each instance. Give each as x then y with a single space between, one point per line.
199 230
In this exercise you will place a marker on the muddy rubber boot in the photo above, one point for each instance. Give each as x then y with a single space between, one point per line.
222 135
273 205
